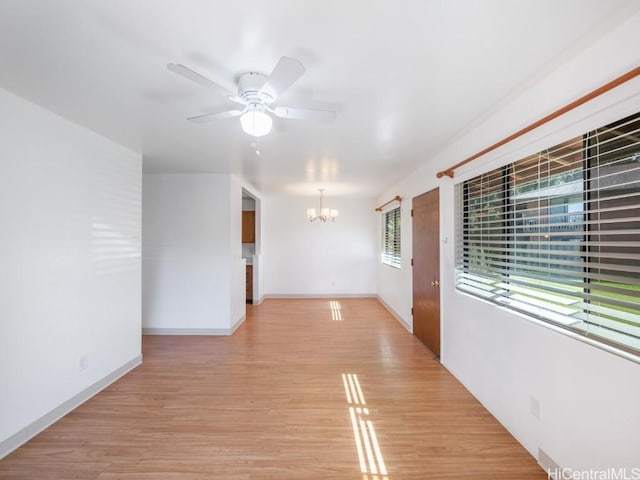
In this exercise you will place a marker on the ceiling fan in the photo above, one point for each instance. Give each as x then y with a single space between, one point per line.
256 93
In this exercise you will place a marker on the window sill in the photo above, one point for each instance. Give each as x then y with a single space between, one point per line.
397 267
618 351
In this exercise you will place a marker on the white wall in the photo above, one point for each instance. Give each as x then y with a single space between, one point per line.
588 397
237 293
70 257
394 284
248 204
188 255
308 259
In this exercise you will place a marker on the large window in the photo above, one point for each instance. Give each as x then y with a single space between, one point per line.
391 238
557 235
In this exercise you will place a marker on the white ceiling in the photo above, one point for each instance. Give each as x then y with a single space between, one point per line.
405 76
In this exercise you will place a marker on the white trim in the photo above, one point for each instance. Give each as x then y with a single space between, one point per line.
235 326
187 331
194 331
34 428
320 295
395 315
258 302
548 464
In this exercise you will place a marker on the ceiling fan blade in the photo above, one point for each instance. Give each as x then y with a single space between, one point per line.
215 115
285 73
304 113
197 78
236 99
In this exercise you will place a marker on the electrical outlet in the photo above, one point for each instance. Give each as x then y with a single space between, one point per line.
84 362
534 407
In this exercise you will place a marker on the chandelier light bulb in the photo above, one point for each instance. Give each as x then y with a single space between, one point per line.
311 213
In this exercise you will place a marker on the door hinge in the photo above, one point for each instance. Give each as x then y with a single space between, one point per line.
412 262
412 212
411 310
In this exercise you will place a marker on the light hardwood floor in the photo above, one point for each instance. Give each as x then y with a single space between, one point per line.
301 391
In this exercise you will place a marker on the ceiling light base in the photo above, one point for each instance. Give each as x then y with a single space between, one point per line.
249 85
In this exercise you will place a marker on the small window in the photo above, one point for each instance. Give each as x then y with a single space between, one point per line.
391 238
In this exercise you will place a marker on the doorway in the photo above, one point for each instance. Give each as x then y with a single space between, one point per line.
426 269
251 245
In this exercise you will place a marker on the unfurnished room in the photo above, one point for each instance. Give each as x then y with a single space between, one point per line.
319 239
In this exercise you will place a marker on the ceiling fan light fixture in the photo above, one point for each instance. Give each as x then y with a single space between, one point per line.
256 122
256 92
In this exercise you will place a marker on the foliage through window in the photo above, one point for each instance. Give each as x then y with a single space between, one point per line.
391 238
557 235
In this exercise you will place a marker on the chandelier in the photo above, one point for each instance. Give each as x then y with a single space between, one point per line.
325 213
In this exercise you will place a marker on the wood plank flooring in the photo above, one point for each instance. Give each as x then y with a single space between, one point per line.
305 389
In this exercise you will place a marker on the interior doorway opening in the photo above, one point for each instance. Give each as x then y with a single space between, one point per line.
251 245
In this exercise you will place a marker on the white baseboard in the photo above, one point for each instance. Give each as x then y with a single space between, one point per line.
27 433
194 331
259 301
185 331
237 324
321 295
549 465
395 315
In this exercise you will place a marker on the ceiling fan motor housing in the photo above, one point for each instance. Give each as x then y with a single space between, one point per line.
249 86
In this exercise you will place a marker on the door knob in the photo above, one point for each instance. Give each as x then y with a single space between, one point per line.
435 283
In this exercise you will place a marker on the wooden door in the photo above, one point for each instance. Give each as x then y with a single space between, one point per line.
249 283
426 269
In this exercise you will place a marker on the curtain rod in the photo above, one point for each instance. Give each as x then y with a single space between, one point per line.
397 198
576 103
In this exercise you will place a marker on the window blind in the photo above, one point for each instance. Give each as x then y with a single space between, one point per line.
557 235
391 238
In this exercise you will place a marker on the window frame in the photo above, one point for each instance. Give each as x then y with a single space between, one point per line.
391 254
488 268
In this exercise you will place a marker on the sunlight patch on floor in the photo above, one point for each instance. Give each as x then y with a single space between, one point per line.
369 454
336 310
